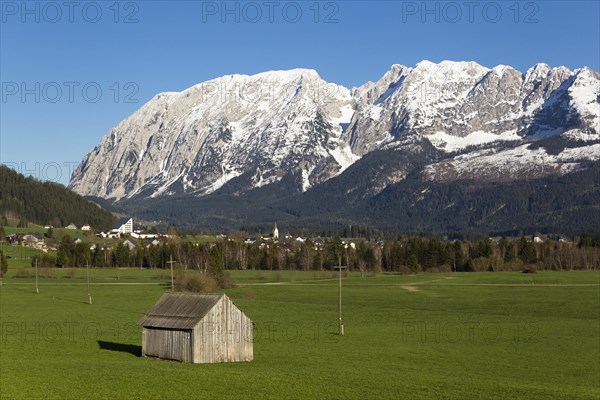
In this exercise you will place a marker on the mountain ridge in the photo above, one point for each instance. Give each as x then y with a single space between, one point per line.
472 122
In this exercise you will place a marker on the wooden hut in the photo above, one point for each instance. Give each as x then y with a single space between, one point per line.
197 328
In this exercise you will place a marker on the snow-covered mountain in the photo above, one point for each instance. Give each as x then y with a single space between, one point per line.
256 130
262 126
460 104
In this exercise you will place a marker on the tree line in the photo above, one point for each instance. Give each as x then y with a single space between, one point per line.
408 255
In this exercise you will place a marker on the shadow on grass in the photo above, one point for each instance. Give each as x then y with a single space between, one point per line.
26 289
134 312
122 347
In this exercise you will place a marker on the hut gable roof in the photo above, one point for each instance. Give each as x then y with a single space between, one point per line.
179 310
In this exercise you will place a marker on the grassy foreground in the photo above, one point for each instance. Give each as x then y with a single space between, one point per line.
442 336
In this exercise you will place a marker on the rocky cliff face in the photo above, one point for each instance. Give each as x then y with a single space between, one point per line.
262 126
259 129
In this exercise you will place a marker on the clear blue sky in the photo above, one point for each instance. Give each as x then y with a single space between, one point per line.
136 49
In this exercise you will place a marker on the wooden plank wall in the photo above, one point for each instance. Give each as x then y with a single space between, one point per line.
167 344
223 335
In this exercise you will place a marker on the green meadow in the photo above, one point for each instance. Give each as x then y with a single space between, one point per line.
429 336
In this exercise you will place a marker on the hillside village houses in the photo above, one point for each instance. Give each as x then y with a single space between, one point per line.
86 227
124 226
130 244
283 240
120 227
133 239
33 240
139 235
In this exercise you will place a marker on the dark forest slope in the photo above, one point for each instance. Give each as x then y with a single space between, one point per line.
26 198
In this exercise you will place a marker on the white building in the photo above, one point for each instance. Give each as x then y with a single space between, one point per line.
123 225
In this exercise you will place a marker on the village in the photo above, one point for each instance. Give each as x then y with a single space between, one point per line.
125 232
127 245
122 228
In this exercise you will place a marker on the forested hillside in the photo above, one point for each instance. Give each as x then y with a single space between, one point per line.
27 199
566 204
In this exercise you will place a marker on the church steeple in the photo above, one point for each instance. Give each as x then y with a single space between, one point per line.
275 232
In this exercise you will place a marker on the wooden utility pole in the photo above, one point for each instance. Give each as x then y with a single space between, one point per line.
341 322
37 289
454 261
87 270
172 282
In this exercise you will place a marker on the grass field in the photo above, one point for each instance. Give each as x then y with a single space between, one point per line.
18 256
430 336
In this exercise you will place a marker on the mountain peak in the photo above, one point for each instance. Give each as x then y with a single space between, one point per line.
448 65
538 71
586 71
501 70
425 64
288 74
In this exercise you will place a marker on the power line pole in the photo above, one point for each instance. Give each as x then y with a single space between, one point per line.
87 270
172 282
341 322
37 289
